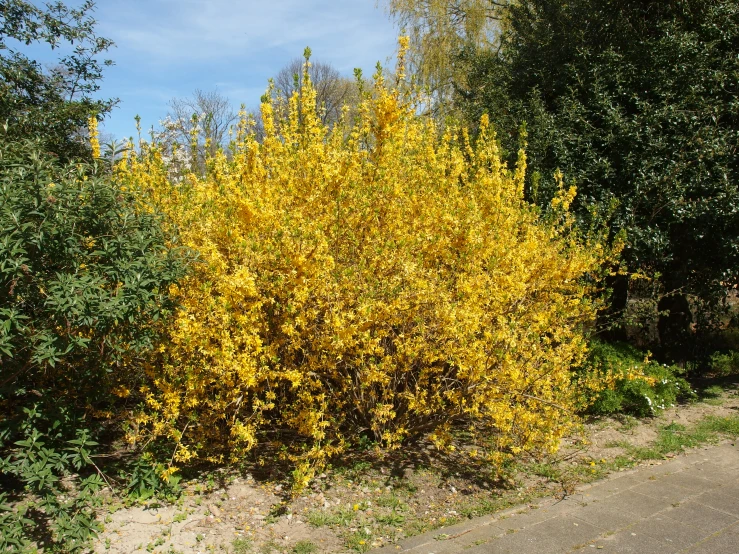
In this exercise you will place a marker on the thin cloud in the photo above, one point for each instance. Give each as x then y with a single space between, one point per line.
196 31
168 48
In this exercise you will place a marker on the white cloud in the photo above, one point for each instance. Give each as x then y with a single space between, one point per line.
168 48
196 31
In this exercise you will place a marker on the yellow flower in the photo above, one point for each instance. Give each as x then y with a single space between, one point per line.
367 277
92 128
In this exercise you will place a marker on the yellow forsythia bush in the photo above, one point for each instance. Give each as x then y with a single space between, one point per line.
379 277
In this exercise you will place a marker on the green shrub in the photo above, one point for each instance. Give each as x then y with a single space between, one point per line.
85 272
723 364
48 502
620 379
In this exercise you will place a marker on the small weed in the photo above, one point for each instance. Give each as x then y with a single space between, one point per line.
628 422
546 470
305 547
389 501
393 519
483 507
712 395
269 547
241 546
728 426
405 485
358 541
179 517
277 510
152 545
321 518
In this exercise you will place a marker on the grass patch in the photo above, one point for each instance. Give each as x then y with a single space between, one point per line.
727 426
330 518
486 506
305 547
675 438
241 546
712 395
547 470
389 501
359 541
393 519
270 547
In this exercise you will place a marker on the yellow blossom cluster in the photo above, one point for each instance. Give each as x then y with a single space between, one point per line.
382 277
92 129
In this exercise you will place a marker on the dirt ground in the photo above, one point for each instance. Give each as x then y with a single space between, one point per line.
365 503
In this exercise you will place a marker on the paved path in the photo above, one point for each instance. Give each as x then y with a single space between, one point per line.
689 505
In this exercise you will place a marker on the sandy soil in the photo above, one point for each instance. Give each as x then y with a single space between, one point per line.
363 505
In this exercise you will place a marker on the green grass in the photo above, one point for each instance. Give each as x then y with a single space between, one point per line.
389 501
547 470
332 518
485 506
727 426
241 546
394 518
305 547
359 541
671 439
270 547
712 395
675 438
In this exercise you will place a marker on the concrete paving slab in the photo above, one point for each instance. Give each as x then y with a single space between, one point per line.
688 505
606 517
700 516
554 536
689 480
636 503
623 482
448 543
724 456
728 504
628 542
531 517
714 472
670 531
725 542
666 493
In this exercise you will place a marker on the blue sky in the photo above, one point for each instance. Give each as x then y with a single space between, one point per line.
169 48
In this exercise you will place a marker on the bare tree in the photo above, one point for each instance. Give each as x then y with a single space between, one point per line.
204 117
332 90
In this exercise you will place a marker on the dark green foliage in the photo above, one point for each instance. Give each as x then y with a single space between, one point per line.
640 388
84 289
144 480
53 104
84 275
724 364
636 102
49 483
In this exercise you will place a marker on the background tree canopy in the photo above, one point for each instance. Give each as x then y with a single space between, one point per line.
52 103
636 102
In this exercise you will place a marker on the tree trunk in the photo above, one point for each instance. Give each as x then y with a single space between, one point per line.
674 329
611 319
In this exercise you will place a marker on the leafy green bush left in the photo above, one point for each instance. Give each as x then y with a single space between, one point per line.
85 271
